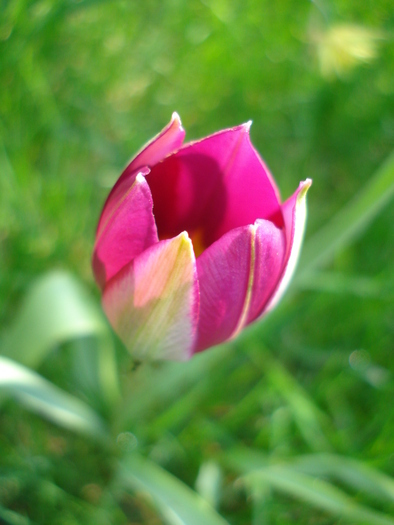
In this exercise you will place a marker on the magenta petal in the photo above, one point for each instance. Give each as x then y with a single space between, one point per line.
294 214
167 141
152 303
217 184
223 272
127 232
250 191
269 254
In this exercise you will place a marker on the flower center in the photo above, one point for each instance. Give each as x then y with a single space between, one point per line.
197 238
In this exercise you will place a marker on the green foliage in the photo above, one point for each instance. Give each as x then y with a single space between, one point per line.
293 422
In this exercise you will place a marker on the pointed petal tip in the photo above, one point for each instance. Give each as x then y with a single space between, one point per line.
303 190
175 118
305 185
183 235
247 125
186 242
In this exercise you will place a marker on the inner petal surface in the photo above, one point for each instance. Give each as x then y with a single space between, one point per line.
211 187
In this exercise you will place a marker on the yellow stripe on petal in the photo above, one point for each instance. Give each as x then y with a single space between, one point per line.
248 297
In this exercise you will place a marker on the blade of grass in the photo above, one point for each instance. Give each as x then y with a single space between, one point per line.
349 221
309 419
318 493
40 396
299 480
55 310
9 517
176 502
261 496
354 473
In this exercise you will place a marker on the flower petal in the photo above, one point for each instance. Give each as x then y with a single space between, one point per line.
223 272
129 230
294 214
167 141
269 253
152 303
218 184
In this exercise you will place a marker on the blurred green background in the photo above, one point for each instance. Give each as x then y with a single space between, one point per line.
305 397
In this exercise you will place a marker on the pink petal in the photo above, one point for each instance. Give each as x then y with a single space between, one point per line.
129 230
269 253
223 272
152 303
217 184
294 214
167 141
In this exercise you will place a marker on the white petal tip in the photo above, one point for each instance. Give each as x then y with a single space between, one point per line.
176 118
304 187
143 172
247 125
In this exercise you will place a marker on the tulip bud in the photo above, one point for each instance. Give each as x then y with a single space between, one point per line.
194 244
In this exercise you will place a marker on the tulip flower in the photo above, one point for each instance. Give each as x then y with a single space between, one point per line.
194 244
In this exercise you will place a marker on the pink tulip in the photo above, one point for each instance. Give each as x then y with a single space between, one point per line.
193 243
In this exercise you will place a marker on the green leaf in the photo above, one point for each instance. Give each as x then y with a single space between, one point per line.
9 517
294 480
305 412
349 222
40 396
318 493
209 482
176 502
354 473
55 310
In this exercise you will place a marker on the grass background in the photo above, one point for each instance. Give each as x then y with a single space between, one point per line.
83 85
